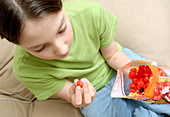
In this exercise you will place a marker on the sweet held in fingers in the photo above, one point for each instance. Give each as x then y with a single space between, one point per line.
80 83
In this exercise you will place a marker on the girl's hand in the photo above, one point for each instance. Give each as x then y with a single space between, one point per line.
82 97
152 62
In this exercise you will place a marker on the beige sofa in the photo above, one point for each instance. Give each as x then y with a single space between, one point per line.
144 27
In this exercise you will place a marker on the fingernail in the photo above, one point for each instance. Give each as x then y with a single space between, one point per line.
78 87
83 80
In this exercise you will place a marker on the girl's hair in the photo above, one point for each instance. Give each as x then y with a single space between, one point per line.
13 13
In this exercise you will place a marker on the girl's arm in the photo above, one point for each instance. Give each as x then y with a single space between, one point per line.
117 59
79 97
114 58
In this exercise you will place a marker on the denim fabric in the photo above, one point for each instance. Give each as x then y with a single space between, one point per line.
105 106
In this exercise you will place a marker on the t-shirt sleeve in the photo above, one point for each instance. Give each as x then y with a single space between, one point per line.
107 27
36 75
42 88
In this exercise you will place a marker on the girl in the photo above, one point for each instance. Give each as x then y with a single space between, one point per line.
59 44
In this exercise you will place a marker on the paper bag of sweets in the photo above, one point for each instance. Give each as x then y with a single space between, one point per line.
142 81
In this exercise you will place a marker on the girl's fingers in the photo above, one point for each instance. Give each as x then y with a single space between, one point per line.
87 95
83 96
153 62
78 96
75 81
72 90
92 90
72 94
75 95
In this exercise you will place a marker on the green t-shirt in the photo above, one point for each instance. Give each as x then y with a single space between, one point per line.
93 28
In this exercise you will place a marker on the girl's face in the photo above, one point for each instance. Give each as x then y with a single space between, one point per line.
49 37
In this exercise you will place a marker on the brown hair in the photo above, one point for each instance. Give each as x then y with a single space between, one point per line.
13 13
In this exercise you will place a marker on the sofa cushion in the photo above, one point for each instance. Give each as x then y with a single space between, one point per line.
55 108
143 26
11 107
8 83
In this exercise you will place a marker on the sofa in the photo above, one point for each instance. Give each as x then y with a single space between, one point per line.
144 27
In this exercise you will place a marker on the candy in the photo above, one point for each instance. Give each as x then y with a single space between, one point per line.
134 80
140 83
132 74
80 83
141 80
146 79
132 90
132 86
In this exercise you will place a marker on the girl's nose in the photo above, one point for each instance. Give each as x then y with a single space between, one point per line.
60 48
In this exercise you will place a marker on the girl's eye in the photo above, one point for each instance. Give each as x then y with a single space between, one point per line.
63 30
40 49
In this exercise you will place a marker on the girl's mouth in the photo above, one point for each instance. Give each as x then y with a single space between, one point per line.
66 54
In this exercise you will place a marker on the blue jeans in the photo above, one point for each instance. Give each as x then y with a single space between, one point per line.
105 106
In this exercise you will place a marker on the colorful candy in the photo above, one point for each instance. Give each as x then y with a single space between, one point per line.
141 78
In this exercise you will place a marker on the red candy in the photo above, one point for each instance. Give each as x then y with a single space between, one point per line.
132 86
132 90
141 80
140 83
132 74
80 83
138 87
139 93
134 70
146 79
134 80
